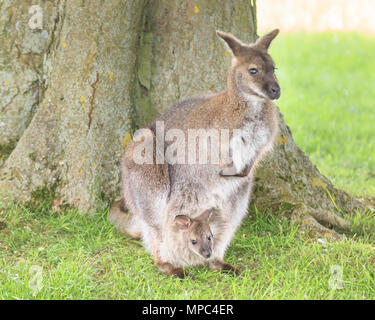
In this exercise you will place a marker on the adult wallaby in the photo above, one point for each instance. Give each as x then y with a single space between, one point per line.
158 192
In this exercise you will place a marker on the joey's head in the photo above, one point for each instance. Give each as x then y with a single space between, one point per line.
253 70
196 233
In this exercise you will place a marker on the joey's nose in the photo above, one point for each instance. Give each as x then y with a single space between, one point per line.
206 253
274 91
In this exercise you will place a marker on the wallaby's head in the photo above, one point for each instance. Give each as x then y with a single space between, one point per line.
253 69
196 233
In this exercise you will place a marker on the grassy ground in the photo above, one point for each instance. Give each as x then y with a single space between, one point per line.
327 99
82 257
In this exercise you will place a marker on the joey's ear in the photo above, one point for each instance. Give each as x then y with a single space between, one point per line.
234 44
182 222
206 215
265 41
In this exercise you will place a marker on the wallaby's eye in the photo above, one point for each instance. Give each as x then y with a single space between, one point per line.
209 238
274 69
194 241
253 71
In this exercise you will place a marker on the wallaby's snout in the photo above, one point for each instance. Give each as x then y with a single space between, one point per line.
206 252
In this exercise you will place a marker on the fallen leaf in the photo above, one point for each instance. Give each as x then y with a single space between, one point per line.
126 140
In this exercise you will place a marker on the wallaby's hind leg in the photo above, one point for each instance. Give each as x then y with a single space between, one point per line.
124 220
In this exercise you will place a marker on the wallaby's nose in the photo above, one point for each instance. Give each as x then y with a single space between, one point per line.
274 91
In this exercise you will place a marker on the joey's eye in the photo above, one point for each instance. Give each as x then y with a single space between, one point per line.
194 241
274 69
209 238
253 71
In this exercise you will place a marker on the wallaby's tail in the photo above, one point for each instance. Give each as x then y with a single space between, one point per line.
124 220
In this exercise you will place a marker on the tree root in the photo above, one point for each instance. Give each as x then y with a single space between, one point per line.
330 219
321 223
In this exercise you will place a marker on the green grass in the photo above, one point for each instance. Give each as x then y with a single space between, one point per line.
82 257
328 100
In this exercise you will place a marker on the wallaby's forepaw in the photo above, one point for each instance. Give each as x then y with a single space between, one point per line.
227 172
171 270
231 171
186 275
179 273
223 266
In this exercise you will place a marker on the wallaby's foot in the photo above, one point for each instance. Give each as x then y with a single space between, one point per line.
223 266
171 270
123 220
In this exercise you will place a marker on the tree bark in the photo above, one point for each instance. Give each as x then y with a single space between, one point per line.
21 67
73 142
96 72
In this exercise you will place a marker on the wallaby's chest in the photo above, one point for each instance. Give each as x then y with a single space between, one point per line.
198 187
252 135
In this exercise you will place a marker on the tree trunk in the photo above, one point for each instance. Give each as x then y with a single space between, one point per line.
97 72
72 145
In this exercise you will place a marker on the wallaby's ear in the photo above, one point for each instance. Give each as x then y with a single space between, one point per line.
182 222
265 41
206 215
234 44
